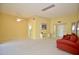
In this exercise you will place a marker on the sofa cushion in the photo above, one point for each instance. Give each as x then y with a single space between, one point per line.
74 34
73 38
69 43
66 37
77 42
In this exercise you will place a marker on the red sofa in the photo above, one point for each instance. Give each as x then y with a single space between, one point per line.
69 43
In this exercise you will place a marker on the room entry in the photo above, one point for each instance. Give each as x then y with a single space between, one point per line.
75 28
60 30
29 31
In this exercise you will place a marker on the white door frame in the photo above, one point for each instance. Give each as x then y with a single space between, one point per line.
60 28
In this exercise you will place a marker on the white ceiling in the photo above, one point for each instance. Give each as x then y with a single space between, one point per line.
34 9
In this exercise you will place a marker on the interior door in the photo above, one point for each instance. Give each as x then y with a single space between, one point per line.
60 30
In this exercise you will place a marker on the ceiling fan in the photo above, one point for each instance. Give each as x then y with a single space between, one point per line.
48 7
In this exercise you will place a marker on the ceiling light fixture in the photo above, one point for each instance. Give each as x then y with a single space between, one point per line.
18 20
48 7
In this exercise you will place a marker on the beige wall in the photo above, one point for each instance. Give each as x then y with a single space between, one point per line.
51 30
66 20
10 29
0 27
36 21
39 22
32 23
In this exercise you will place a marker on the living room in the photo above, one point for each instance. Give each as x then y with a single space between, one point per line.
34 28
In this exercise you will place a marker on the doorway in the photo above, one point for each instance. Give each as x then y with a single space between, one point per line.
60 30
78 28
29 31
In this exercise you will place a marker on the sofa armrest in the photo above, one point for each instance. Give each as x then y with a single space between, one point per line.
67 42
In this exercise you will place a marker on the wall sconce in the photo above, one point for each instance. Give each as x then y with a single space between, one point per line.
18 20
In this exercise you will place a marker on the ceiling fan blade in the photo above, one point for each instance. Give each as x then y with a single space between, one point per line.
48 7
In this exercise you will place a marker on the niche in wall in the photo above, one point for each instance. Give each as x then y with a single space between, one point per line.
43 26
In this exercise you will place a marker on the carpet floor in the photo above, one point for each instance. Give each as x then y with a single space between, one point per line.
31 47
